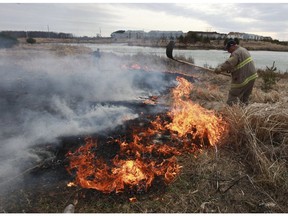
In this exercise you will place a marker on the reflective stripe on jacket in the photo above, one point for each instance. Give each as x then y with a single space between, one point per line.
241 66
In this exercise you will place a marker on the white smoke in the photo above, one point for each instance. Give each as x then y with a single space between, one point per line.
44 97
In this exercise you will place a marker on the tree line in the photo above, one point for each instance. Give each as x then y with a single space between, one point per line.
36 34
193 37
9 38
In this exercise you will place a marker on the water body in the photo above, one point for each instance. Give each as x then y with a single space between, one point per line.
201 57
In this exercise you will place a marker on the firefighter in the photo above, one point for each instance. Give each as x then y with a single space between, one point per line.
243 72
96 53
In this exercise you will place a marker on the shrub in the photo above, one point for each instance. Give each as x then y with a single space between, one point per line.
269 77
7 41
31 40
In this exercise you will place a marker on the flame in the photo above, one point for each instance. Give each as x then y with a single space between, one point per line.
133 199
94 173
151 151
135 66
191 119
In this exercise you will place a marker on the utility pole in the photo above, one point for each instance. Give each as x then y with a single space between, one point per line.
48 31
26 32
209 29
99 35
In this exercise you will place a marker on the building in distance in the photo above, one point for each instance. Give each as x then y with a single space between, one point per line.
170 35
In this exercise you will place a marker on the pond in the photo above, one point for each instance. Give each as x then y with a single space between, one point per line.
201 57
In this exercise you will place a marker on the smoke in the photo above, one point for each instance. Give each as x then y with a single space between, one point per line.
44 97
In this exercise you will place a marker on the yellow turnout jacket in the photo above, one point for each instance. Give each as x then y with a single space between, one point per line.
241 66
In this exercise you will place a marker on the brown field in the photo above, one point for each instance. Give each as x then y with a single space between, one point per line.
214 44
246 173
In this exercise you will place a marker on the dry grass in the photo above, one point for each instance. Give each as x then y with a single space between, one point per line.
260 133
53 48
262 45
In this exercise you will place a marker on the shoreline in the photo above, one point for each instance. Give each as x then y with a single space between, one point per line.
214 44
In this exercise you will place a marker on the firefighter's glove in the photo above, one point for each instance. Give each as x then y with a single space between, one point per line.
218 70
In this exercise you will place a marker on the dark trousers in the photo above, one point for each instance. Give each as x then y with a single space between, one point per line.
241 95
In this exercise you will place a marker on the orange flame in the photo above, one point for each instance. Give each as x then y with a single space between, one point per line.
135 66
191 118
152 152
94 173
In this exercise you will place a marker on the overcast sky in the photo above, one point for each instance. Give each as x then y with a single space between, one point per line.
92 18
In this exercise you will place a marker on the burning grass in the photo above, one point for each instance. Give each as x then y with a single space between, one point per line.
188 128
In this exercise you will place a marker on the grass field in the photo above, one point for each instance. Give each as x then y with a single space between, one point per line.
247 172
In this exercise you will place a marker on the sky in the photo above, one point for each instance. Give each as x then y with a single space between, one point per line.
94 18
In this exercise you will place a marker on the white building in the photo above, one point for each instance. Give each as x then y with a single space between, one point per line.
244 36
172 35
150 35
235 35
128 34
164 34
210 35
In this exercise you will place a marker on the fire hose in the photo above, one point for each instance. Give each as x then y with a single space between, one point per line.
169 51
